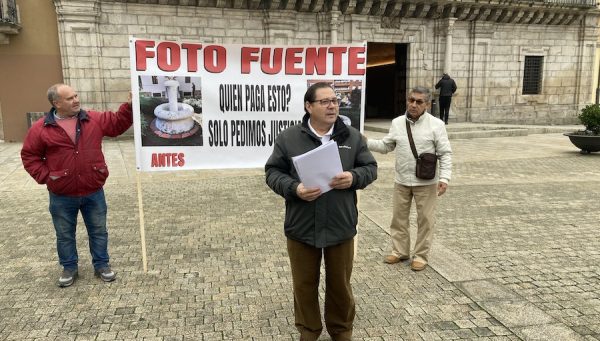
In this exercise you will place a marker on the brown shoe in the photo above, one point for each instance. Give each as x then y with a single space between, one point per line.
391 259
346 336
417 266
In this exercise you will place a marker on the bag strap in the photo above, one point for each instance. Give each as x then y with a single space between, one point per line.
410 139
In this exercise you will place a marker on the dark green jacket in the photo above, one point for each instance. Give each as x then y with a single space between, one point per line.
330 219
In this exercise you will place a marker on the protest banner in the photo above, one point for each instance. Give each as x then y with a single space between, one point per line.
208 106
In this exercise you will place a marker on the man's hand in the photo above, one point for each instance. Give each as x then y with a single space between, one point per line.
441 189
129 98
342 180
307 194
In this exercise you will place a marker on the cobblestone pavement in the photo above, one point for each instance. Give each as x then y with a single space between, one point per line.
516 254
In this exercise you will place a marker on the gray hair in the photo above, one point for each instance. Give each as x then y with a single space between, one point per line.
422 90
53 93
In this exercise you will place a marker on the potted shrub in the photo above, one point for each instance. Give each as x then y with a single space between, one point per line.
588 140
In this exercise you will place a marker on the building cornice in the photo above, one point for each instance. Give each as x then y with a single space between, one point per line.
85 11
532 12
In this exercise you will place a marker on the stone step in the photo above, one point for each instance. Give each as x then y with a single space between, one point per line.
502 132
475 130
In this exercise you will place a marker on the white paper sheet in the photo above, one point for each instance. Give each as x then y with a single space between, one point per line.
317 167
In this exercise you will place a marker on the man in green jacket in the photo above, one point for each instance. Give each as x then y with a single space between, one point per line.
321 224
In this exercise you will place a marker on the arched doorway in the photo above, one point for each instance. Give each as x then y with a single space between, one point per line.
387 65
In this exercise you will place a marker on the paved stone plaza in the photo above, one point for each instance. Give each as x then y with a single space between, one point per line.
516 254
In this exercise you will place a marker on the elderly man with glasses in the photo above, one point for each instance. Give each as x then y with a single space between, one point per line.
429 135
321 225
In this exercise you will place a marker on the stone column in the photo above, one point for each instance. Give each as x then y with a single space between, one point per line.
588 33
448 55
80 50
334 26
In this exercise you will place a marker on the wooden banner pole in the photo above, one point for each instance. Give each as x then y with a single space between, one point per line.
356 237
142 227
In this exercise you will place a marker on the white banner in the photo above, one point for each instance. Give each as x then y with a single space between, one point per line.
200 106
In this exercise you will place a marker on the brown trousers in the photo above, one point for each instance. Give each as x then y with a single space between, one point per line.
305 262
425 200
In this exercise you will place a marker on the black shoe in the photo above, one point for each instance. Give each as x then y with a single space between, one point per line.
67 278
105 274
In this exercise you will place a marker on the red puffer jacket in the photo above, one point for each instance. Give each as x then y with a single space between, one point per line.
79 169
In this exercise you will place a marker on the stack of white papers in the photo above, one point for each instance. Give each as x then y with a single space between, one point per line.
317 167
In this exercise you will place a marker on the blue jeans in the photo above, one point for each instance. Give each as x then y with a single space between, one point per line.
64 211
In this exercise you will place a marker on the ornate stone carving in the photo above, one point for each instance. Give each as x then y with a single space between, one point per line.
78 11
395 23
279 29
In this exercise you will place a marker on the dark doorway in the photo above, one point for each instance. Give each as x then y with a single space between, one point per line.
387 65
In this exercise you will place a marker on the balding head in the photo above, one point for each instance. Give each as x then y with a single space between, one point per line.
53 93
64 99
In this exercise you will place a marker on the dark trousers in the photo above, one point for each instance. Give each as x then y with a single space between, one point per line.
305 262
445 102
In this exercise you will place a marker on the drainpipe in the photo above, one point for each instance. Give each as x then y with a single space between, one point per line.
598 87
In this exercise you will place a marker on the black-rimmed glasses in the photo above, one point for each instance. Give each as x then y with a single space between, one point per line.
326 101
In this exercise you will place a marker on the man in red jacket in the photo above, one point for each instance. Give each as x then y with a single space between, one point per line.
63 150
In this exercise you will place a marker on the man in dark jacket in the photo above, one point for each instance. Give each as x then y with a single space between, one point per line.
63 150
447 88
316 223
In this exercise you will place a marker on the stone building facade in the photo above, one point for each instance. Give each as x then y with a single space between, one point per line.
484 46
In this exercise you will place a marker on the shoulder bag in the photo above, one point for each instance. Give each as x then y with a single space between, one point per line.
426 162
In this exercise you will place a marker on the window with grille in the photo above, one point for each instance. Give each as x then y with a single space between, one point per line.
532 75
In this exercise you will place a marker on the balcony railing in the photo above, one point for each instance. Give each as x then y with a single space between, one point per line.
576 3
10 23
9 12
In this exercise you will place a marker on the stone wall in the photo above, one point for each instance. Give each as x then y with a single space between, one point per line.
487 57
488 64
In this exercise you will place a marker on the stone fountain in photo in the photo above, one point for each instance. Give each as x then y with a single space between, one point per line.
174 120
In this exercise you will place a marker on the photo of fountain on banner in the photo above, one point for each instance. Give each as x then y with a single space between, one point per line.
170 110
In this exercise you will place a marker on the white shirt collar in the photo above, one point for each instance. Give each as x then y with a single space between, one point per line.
324 138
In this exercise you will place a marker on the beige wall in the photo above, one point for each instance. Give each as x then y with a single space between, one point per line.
29 64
